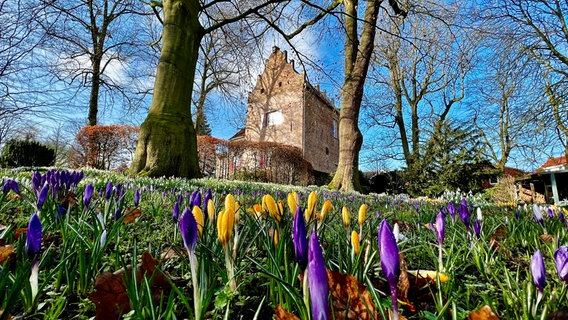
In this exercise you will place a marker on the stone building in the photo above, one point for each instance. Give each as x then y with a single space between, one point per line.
285 108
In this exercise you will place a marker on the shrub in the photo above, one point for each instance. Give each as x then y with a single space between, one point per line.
19 153
103 147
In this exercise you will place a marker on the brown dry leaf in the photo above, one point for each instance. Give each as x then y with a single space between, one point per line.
281 314
110 295
6 252
70 199
500 233
484 313
351 300
131 214
546 238
19 232
170 253
403 284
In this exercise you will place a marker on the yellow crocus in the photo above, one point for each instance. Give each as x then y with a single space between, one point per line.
269 205
280 204
230 202
293 202
325 209
211 210
312 199
275 237
257 210
237 212
345 216
225 225
362 214
199 218
355 242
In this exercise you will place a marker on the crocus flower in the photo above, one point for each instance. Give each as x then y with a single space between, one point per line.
518 215
36 181
561 217
464 214
477 228
355 243
293 202
188 229
440 227
452 211
299 237
479 214
136 197
175 215
42 196
87 195
345 216
317 277
538 214
208 196
108 190
33 247
550 213
325 209
362 213
33 236
390 264
561 260
198 215
269 205
312 199
538 271
11 185
211 210
225 224
195 199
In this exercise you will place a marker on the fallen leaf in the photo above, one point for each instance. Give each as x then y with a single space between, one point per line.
546 238
19 232
69 199
170 253
6 252
485 313
110 295
131 214
351 300
429 275
281 314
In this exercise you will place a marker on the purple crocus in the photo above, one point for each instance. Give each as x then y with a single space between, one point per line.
464 214
208 196
42 196
440 227
299 237
518 215
188 230
175 214
561 217
87 195
452 211
108 190
136 197
11 185
561 260
195 199
390 264
538 271
477 228
538 215
550 213
36 181
33 236
317 278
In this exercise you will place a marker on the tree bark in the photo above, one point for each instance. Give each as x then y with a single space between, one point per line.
357 58
167 144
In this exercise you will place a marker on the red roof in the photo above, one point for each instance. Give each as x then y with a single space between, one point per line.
513 172
551 162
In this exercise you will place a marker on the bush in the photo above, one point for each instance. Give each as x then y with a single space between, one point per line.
19 153
103 147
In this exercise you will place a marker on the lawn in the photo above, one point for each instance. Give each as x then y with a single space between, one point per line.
78 245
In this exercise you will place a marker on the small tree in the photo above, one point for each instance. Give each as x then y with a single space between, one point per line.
103 147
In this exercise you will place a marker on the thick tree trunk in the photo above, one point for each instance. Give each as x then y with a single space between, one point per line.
357 58
167 144
94 97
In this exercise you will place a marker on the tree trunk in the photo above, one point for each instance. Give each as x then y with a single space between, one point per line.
167 143
94 97
357 58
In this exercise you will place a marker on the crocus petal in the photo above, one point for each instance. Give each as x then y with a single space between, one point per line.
312 199
355 243
108 190
136 197
538 271
345 216
477 228
317 278
440 227
33 236
42 196
175 214
362 214
388 252
561 260
188 229
87 195
299 237
292 202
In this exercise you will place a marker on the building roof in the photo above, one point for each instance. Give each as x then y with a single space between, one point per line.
553 164
240 135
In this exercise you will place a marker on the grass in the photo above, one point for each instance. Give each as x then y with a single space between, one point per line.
80 243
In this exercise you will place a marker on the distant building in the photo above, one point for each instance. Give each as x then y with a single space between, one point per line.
285 108
554 176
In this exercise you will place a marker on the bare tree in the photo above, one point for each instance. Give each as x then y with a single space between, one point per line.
421 65
97 45
539 26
